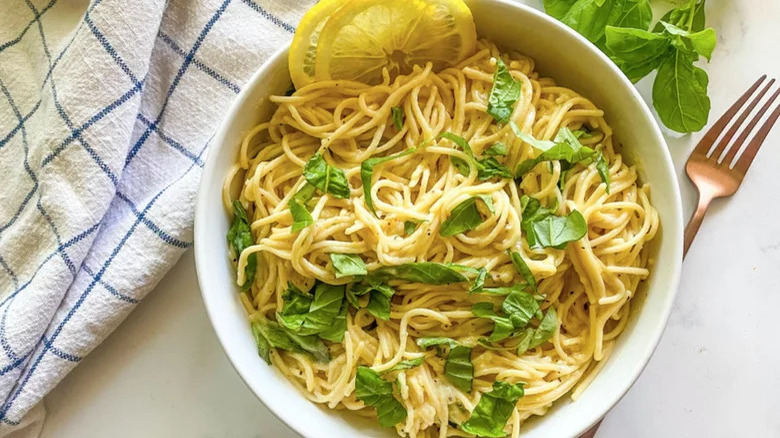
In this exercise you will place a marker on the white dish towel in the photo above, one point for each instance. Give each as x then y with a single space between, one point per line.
106 112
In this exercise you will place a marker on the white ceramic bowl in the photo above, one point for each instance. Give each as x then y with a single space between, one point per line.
561 54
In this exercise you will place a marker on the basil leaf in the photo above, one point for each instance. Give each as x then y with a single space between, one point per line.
398 115
503 94
464 217
458 367
430 342
567 149
483 309
492 168
367 172
296 306
338 326
590 17
637 52
502 328
497 149
374 391
546 329
379 301
479 281
703 42
273 335
542 145
406 364
489 417
680 93
239 237
520 307
263 346
603 169
532 212
557 231
425 272
681 16
503 290
636 14
558 8
410 227
523 269
347 265
325 177
486 168
301 216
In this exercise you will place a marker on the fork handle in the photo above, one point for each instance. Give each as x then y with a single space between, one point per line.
705 198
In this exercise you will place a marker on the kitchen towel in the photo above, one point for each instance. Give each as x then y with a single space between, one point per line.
106 112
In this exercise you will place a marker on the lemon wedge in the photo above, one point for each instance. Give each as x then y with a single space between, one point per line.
365 36
303 49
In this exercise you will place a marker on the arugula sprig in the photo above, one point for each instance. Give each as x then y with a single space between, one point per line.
621 28
239 237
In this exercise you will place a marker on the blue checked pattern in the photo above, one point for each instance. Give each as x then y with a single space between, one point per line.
106 114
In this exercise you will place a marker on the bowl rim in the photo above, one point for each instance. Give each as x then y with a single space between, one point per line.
201 257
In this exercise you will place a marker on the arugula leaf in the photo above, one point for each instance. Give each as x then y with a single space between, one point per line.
542 145
406 364
374 391
270 334
367 172
680 93
398 117
464 217
557 231
379 298
497 149
425 272
637 52
489 417
347 265
523 269
239 237
603 169
703 42
503 94
410 227
458 367
325 177
301 216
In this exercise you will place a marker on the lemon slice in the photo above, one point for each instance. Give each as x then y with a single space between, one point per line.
303 49
365 36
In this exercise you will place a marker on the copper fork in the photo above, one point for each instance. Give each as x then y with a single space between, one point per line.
716 175
714 167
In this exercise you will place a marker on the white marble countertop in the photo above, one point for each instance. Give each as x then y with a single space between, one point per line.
716 372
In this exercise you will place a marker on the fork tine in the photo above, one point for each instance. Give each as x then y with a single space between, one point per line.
709 138
750 152
744 135
724 142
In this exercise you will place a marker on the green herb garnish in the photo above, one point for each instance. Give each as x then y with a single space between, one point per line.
486 168
425 272
458 367
325 177
398 115
465 216
374 391
503 94
493 410
270 334
346 265
239 237
367 172
406 365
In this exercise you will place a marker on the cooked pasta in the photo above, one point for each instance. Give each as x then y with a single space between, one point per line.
589 282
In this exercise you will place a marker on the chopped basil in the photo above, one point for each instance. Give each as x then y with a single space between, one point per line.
533 338
346 265
239 237
603 169
301 216
489 417
557 231
325 177
410 227
542 145
367 172
398 115
523 269
406 364
465 216
503 94
532 212
486 168
325 316
374 391
518 308
378 300
458 367
425 272
479 281
269 334
567 149
497 149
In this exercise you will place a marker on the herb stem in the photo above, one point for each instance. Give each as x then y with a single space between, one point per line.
692 7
